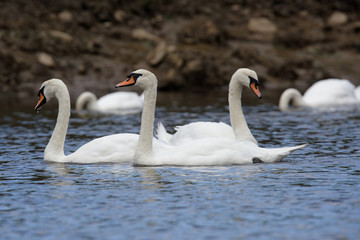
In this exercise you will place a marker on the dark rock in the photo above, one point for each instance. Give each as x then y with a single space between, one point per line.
199 30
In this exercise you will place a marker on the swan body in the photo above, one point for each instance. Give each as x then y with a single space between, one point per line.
239 130
357 93
112 148
194 152
324 93
116 103
195 130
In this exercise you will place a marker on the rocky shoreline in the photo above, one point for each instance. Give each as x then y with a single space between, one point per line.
189 45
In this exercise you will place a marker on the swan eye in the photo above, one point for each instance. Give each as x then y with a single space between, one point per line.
41 91
254 81
134 75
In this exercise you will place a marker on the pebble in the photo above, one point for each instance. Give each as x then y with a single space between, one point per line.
65 16
63 36
159 53
337 18
46 59
120 15
142 34
261 25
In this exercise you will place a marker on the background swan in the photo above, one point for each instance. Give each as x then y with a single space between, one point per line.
115 103
204 151
112 148
324 93
357 93
240 131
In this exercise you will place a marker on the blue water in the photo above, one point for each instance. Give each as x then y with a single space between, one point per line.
313 194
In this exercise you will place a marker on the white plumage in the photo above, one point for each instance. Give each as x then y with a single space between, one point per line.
192 152
112 148
238 130
324 93
121 103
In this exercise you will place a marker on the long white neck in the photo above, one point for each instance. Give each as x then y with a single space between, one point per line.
237 118
144 148
290 95
86 99
55 148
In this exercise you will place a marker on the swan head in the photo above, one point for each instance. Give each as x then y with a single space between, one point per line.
141 77
247 78
48 90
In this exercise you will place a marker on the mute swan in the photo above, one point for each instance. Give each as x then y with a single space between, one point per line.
240 131
116 103
112 148
204 151
324 93
357 93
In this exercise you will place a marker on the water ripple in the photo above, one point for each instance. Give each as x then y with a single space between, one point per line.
313 194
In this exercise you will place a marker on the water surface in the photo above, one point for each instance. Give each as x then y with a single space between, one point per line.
313 194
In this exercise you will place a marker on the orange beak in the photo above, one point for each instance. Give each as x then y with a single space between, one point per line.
255 89
40 102
127 82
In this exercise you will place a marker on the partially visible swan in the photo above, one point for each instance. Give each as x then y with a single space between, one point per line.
240 131
357 93
324 93
204 151
112 148
116 103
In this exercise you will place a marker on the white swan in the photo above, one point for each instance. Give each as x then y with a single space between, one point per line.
240 131
112 148
357 93
204 151
324 93
121 103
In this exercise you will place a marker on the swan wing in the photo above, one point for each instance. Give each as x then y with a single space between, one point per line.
162 134
196 130
118 148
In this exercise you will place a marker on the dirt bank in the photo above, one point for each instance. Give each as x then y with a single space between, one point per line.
189 45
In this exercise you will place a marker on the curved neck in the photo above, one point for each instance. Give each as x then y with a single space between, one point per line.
86 100
292 96
237 118
144 146
55 147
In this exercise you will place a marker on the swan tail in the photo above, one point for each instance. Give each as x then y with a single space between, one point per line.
288 150
277 154
291 149
162 134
